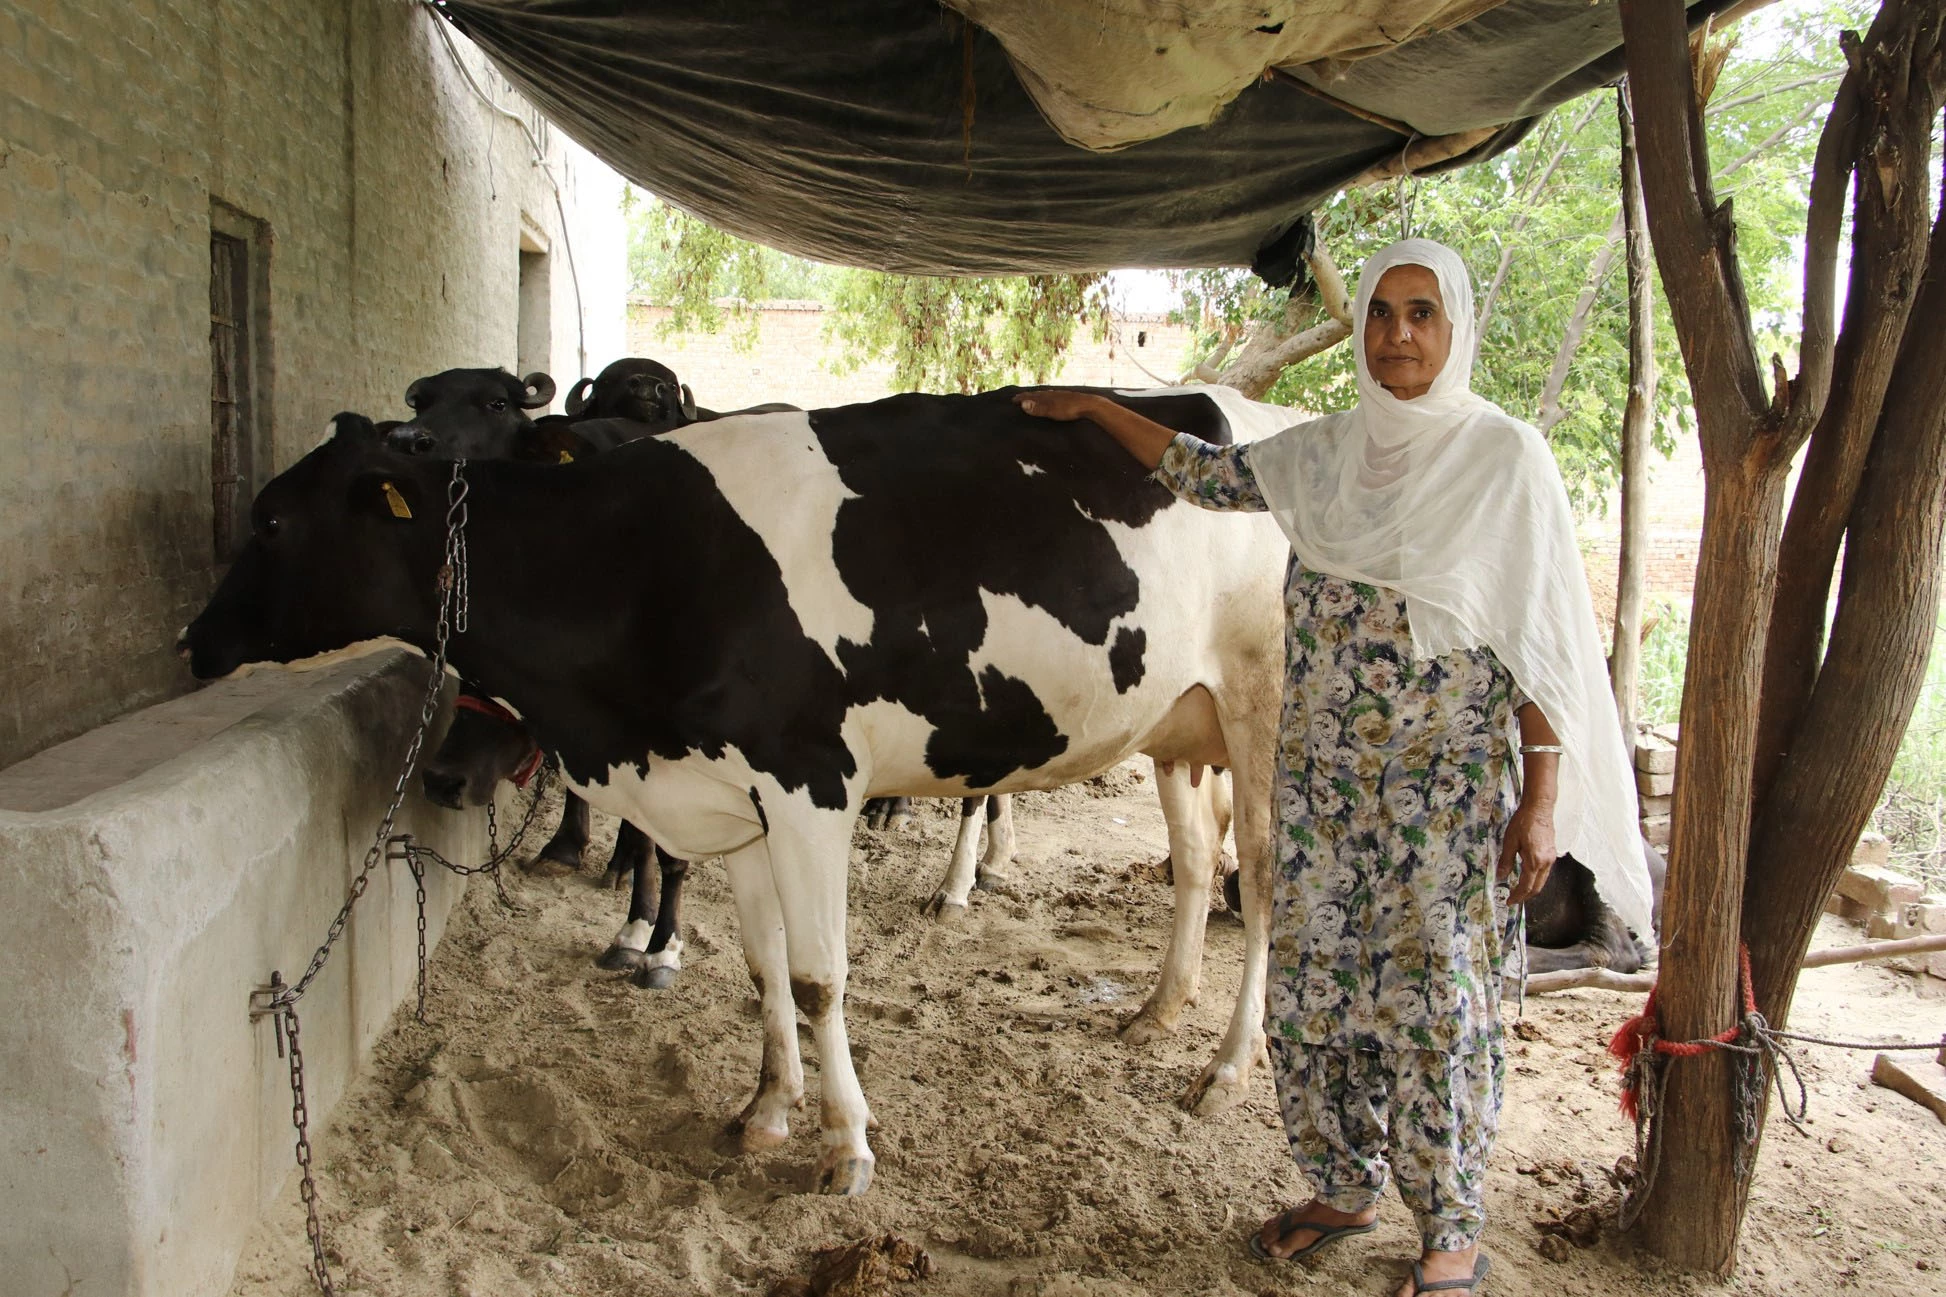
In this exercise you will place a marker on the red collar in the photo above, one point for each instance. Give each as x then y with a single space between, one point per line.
487 707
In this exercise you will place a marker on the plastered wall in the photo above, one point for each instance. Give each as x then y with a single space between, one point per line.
386 204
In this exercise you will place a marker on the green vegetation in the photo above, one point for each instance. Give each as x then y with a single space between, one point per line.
1539 217
941 335
1912 810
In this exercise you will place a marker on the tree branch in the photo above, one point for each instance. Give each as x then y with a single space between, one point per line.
1557 377
1526 198
1268 352
1800 406
1694 238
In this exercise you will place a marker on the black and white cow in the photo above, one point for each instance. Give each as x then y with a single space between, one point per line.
787 613
462 412
487 743
969 867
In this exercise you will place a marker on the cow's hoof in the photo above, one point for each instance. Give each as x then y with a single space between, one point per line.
1222 1086
844 1173
989 880
616 879
659 978
620 959
755 1136
948 914
1146 1029
563 857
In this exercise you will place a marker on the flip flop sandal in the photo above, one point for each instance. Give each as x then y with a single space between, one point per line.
1325 1234
1481 1267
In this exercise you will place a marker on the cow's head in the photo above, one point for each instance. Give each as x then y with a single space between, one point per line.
345 546
475 413
634 388
485 744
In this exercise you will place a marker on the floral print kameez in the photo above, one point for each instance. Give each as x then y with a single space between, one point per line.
1394 788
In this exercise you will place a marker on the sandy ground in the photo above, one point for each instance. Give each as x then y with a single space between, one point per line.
557 1131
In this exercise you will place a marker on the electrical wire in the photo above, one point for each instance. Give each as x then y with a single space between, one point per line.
540 160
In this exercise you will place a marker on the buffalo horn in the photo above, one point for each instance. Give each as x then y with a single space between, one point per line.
578 395
688 405
540 390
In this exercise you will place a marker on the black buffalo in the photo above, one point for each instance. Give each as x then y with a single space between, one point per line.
475 413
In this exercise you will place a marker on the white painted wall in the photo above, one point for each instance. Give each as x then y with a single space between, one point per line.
157 869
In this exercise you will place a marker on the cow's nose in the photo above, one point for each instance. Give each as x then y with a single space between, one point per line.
443 788
182 643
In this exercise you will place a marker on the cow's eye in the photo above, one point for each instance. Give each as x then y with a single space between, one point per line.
271 525
497 404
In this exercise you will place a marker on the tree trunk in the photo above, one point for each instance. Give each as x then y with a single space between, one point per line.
1692 1210
1691 1214
1625 662
1888 258
1870 678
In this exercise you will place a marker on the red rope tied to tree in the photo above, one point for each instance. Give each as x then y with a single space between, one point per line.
1639 1034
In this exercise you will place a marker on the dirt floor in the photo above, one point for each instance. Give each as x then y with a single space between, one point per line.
557 1131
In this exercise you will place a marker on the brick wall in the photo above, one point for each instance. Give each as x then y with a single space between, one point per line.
791 361
1675 506
389 204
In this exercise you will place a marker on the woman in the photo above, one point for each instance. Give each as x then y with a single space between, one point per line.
1434 594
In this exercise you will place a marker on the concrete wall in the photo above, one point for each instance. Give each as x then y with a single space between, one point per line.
790 360
156 870
387 207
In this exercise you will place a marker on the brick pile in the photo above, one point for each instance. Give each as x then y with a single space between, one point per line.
1655 783
1892 905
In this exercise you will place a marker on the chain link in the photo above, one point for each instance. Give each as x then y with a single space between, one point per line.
278 1001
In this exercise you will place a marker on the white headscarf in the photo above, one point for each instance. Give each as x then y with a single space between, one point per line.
1460 507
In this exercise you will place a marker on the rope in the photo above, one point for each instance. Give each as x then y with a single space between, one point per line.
1757 1046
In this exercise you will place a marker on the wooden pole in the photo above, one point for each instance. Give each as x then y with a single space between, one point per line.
1607 979
1625 662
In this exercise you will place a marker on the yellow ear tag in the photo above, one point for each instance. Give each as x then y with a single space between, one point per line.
565 458
396 502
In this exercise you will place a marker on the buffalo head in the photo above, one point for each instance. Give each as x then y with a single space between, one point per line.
474 413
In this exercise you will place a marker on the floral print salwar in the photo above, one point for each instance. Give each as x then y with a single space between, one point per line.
1394 788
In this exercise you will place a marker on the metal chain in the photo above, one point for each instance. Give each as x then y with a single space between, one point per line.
301 1120
1757 1046
404 848
279 999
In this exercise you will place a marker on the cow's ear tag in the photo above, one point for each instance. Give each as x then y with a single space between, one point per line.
565 458
396 502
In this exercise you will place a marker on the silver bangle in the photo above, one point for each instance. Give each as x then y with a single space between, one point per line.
1529 749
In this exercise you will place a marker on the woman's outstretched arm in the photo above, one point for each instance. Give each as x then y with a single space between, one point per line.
1210 477
1143 438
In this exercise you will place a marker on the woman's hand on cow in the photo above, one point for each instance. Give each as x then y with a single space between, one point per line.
1064 406
1140 437
1530 843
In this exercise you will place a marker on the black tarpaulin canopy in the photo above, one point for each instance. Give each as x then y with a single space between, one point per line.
1015 136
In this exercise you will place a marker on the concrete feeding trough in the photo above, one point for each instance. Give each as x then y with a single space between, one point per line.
156 870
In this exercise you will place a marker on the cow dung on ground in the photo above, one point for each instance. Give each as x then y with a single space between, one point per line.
556 1131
